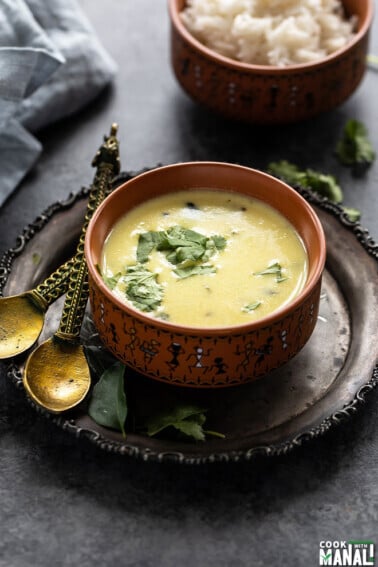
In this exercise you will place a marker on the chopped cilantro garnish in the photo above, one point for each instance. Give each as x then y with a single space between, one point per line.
251 306
274 269
186 249
142 288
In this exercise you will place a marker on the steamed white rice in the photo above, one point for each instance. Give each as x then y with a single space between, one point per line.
269 32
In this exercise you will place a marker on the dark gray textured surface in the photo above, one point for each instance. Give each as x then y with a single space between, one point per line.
66 503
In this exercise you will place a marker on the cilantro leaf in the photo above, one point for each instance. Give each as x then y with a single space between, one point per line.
274 269
108 406
142 288
323 184
110 281
353 214
251 306
219 242
183 247
146 243
287 171
195 270
354 148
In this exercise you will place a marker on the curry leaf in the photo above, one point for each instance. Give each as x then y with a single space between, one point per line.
186 419
108 406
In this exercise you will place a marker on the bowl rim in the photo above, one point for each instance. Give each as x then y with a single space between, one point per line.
266 69
238 329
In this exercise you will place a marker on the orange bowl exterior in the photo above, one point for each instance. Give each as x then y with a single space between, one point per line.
267 94
205 357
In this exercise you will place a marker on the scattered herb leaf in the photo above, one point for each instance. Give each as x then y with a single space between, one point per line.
142 288
36 258
186 419
194 271
325 185
108 406
355 149
251 306
110 281
354 215
275 269
146 244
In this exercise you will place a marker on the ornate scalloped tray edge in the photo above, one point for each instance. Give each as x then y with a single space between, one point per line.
153 453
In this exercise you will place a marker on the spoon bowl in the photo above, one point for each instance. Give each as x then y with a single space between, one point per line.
18 334
22 316
57 375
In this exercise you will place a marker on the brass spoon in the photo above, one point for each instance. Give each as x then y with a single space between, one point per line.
56 374
22 316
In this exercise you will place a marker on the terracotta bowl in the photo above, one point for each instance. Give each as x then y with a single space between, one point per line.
269 94
205 357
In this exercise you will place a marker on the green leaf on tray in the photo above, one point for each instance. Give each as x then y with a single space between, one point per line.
323 184
108 406
186 419
354 148
353 214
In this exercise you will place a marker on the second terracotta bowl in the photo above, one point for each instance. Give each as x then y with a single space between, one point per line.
269 94
205 357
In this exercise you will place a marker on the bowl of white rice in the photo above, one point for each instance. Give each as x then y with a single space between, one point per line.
270 61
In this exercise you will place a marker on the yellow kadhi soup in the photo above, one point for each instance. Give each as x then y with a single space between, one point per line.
253 259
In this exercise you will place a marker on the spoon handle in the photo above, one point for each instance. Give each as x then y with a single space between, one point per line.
108 164
56 284
53 286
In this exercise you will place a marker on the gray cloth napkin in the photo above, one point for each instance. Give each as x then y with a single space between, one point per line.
51 65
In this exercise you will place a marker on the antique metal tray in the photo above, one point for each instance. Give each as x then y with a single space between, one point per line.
323 385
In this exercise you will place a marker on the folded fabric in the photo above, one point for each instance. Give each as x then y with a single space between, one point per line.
51 65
